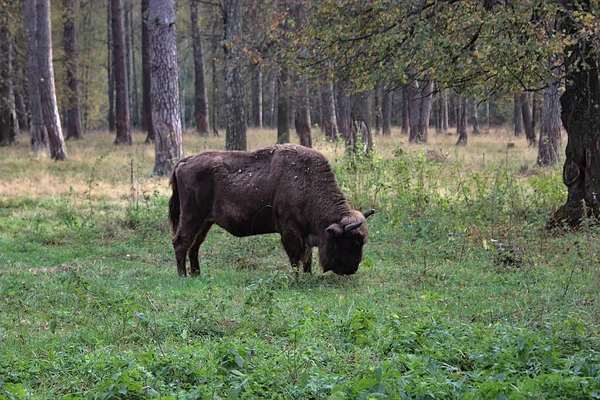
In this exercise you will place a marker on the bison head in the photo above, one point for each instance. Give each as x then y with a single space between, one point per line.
341 249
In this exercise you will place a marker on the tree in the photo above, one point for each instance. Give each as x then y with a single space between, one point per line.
302 120
120 70
257 95
518 115
8 116
112 121
549 148
386 113
328 110
37 129
166 120
283 106
146 74
73 114
235 136
58 150
528 120
200 97
461 125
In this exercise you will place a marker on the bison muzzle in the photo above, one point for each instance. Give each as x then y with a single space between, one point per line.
287 189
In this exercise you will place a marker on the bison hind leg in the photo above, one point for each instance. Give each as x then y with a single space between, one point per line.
193 251
184 238
306 260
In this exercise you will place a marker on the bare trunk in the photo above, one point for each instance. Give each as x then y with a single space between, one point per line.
362 118
215 86
461 125
37 129
8 119
425 111
344 119
134 76
476 129
257 98
550 140
329 118
445 111
58 150
112 122
386 112
120 71
405 112
414 110
283 107
377 109
302 120
200 97
528 122
73 122
518 115
146 74
165 90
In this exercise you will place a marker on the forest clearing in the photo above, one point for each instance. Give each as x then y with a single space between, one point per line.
92 306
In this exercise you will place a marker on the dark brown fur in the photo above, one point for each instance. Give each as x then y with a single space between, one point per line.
287 189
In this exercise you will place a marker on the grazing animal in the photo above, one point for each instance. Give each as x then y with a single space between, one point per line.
287 189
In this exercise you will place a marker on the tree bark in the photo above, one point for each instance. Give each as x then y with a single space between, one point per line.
528 121
461 122
73 100
329 118
302 120
425 111
257 97
200 97
112 122
283 107
414 110
362 118
7 115
235 136
518 115
386 112
146 73
120 71
550 141
344 119
165 90
58 150
37 129
445 111
405 112
476 129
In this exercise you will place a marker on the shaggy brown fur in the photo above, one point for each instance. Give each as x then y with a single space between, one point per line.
287 189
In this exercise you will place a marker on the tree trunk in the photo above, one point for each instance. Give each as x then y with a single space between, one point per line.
386 112
328 103
425 111
257 97
58 150
134 76
445 111
200 97
235 136
405 111
476 129
344 119
146 73
120 71
362 118
518 115
165 90
20 108
112 122
283 107
215 85
377 109
580 117
7 121
461 125
73 120
414 110
528 122
37 129
302 120
550 141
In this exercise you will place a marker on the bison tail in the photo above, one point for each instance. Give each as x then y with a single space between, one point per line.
174 208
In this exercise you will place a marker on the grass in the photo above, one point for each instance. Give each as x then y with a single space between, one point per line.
91 306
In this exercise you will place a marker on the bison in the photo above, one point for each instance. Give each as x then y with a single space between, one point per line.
287 189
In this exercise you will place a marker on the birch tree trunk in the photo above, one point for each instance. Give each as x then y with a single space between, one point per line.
37 129
164 79
73 122
120 71
200 96
58 150
257 96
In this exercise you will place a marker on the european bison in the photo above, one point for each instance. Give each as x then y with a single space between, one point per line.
287 188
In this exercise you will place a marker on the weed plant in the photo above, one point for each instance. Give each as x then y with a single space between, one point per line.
91 306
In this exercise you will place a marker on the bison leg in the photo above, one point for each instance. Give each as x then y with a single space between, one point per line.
294 247
306 260
193 251
184 239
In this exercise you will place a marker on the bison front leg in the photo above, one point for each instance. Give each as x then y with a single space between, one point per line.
294 247
306 259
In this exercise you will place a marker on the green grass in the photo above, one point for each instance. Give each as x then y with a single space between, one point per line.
91 306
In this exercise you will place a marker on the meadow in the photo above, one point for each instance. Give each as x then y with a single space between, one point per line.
463 293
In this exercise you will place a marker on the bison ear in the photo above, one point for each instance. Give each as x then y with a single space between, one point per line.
334 230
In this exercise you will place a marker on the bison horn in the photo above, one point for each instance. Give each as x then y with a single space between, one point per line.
353 225
368 213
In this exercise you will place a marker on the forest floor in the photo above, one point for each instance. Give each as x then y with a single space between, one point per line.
462 292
